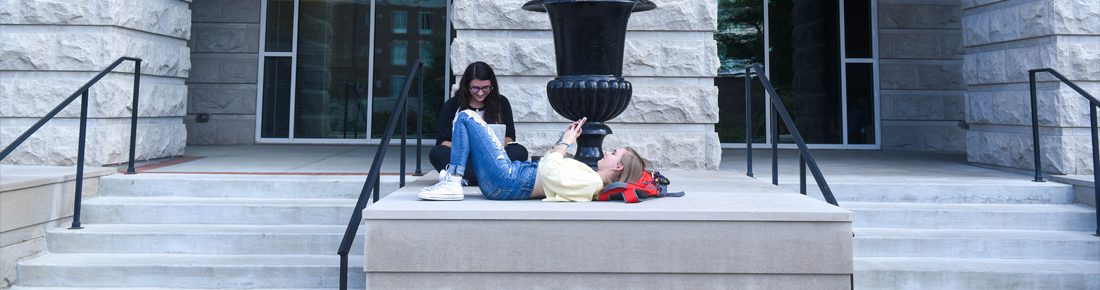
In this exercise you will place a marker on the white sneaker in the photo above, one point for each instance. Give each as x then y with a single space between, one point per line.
448 188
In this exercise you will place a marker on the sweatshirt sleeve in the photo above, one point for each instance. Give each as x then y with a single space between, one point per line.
506 114
446 118
567 179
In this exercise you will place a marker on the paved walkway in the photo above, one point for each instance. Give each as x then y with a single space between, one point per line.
836 165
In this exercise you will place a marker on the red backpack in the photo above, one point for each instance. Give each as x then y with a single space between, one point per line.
651 185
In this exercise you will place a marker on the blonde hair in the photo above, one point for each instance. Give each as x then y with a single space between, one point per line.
633 166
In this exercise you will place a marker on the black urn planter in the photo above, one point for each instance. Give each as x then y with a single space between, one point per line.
589 36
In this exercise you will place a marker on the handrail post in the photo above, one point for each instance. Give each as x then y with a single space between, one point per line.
134 116
1095 164
1035 129
748 120
775 144
404 138
343 271
801 173
419 122
80 160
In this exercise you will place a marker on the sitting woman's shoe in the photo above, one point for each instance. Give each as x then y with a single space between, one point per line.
448 188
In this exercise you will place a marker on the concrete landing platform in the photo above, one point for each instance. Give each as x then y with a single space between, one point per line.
729 231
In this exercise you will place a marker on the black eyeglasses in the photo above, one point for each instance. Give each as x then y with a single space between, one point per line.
487 89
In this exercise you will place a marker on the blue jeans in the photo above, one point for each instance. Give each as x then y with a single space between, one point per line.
497 176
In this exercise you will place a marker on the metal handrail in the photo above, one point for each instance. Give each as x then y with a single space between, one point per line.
82 92
1093 103
804 156
375 168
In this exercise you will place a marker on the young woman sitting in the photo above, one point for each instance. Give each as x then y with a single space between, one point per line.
554 178
478 91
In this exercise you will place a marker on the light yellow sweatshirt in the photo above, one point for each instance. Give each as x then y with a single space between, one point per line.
567 179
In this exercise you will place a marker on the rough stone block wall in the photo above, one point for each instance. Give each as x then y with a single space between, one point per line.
921 85
50 48
224 52
1005 39
670 58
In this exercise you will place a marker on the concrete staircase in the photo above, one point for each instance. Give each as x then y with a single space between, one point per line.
982 233
196 231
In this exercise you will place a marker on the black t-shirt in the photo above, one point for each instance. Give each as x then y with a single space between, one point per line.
450 109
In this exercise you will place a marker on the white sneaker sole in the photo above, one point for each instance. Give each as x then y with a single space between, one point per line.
440 197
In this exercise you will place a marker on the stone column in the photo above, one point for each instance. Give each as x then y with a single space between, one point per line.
670 58
49 48
920 65
224 53
1004 39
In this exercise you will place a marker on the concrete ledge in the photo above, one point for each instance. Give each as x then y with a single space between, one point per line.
727 230
601 281
34 199
1083 186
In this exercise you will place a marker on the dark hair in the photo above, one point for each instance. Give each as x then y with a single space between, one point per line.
482 71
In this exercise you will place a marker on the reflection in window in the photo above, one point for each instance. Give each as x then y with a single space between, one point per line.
395 85
425 23
400 50
425 53
280 26
400 22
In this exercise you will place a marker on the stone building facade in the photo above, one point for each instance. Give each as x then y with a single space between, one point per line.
951 76
1005 39
49 49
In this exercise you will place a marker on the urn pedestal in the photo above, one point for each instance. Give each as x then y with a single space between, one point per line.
589 36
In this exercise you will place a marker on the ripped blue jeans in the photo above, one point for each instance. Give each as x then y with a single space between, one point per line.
497 176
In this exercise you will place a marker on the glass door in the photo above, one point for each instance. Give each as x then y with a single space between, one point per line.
331 69
832 99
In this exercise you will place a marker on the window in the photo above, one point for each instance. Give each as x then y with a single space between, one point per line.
425 23
400 22
400 54
395 85
425 53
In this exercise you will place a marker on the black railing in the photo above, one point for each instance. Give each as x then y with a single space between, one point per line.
804 156
83 94
375 167
1093 103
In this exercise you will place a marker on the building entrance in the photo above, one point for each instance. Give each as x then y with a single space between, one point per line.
821 58
331 70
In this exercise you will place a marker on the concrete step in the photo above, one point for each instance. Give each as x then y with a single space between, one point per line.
960 190
241 185
971 273
1063 217
189 271
971 243
201 239
254 211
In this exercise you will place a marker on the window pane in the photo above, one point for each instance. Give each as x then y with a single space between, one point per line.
276 98
394 49
857 28
396 83
279 33
805 67
740 40
400 49
861 103
330 95
400 22
425 23
425 52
